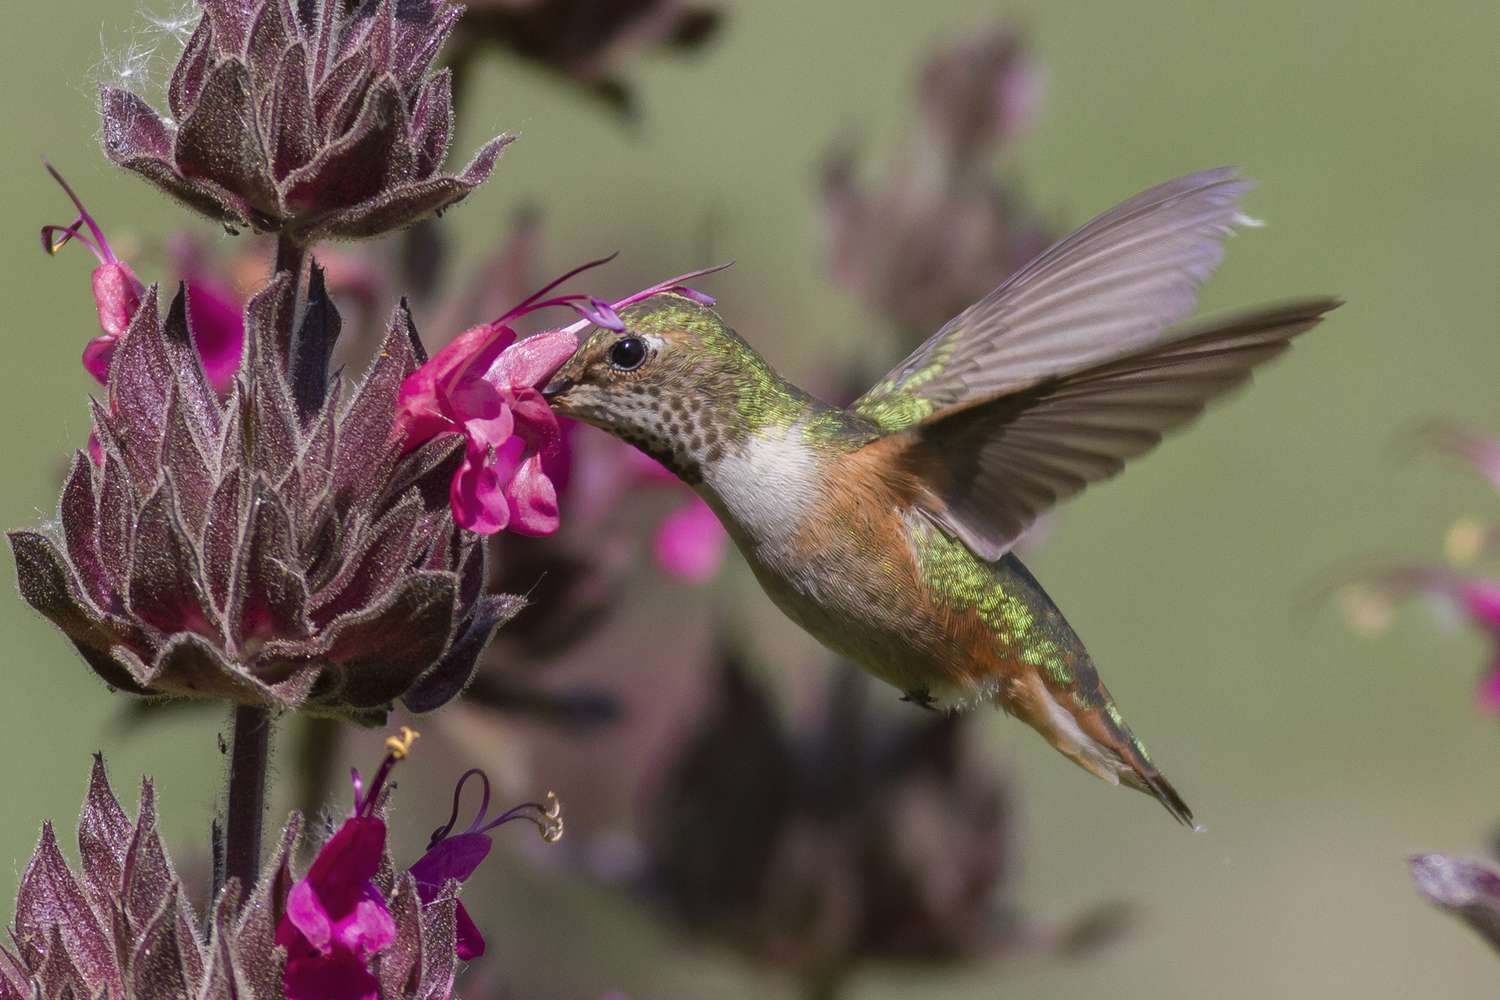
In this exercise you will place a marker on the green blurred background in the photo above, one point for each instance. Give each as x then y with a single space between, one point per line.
1317 759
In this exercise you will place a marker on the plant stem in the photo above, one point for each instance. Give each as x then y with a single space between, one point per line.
315 744
289 257
249 754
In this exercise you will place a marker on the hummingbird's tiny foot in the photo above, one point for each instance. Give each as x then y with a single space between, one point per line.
920 697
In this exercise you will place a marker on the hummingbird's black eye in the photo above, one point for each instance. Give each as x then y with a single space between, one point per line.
627 354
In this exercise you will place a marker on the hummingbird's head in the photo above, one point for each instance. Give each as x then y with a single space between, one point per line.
675 382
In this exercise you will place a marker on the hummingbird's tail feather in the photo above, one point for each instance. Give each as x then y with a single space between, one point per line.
1093 737
1143 776
1069 705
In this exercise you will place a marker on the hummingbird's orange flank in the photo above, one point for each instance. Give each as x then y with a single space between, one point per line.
885 528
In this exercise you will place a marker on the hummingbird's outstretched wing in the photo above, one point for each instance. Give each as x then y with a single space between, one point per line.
994 466
1106 291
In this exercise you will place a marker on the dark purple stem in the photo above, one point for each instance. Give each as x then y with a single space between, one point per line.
291 256
249 754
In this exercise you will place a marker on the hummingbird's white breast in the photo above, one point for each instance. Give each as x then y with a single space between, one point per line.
765 487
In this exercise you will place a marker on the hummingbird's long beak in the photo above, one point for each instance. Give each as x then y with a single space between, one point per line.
556 388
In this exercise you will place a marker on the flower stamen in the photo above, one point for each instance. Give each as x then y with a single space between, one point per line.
397 748
546 815
400 744
72 231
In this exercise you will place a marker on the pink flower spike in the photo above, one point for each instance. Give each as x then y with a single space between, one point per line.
336 920
690 543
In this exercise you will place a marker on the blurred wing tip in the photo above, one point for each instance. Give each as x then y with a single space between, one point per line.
1245 221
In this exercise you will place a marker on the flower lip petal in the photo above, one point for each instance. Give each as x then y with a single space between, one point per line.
455 857
469 943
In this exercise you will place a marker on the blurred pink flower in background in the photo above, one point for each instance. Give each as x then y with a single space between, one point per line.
1368 603
689 543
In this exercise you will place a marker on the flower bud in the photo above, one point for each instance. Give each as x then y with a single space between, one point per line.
311 119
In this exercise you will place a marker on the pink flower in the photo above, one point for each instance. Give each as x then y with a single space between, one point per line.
689 543
1475 600
218 322
456 855
117 291
484 385
218 313
336 919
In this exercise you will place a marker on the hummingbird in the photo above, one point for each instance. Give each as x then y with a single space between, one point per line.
885 528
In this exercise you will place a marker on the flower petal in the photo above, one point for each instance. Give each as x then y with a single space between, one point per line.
469 943
326 906
117 295
532 499
533 361
454 857
97 356
335 977
476 494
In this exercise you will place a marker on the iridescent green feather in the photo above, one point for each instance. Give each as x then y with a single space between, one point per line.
896 402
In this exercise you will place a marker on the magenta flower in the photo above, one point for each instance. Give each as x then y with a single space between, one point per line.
455 856
690 543
218 313
336 919
485 386
117 290
218 322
